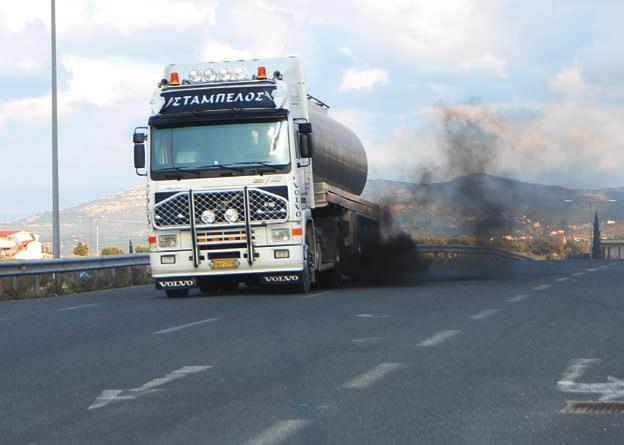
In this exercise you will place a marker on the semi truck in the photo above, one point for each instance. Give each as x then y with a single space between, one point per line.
249 180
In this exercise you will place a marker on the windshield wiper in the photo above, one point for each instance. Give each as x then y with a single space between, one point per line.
222 167
262 163
180 170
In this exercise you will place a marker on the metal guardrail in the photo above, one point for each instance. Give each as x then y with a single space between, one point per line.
472 250
39 267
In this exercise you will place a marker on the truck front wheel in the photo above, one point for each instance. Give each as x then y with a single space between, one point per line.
305 284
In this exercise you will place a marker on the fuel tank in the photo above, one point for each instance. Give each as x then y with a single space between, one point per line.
339 157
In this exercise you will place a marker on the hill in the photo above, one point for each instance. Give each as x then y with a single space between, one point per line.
480 204
485 205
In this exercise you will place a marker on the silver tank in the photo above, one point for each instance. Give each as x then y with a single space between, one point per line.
339 157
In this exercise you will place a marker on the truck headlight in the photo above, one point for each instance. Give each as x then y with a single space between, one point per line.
231 215
280 235
208 216
167 240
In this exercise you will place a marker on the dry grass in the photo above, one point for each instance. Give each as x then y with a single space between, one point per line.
72 282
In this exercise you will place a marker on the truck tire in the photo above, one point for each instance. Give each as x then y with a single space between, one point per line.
332 278
177 293
305 284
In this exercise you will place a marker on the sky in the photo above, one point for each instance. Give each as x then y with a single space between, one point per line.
545 79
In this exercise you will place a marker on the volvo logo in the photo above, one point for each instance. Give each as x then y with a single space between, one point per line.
280 279
168 284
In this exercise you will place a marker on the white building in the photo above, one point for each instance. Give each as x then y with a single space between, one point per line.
20 245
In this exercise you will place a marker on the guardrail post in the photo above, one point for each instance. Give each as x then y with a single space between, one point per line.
113 277
14 283
36 284
130 275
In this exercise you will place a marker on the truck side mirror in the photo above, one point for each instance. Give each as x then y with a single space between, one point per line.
139 138
305 128
305 145
139 156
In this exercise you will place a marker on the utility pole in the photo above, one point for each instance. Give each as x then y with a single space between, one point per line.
56 231
97 237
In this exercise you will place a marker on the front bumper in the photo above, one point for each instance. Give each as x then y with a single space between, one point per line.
264 262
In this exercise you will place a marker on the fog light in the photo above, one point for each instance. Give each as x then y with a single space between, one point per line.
167 240
167 259
282 253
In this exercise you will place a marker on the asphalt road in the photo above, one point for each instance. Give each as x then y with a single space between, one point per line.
466 362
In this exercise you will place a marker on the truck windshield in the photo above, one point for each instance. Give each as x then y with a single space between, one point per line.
207 147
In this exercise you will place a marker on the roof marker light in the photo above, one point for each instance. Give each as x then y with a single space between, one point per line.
195 76
261 73
174 78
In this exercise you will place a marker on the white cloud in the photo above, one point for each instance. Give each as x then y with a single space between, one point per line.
363 79
87 16
570 82
485 64
103 82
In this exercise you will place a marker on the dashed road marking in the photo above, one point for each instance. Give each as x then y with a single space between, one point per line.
578 274
279 432
373 316
543 287
612 264
366 340
372 375
484 314
562 279
517 298
111 395
439 338
604 267
592 269
71 308
184 326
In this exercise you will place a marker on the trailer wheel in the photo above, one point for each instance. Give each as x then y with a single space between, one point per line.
332 278
177 293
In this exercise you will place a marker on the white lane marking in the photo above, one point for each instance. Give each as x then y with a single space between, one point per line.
279 432
372 375
612 264
110 395
604 267
484 314
367 340
612 390
562 279
318 294
373 316
71 308
543 287
578 274
517 298
593 269
184 326
438 338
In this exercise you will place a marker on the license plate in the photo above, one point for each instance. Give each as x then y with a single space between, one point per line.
224 264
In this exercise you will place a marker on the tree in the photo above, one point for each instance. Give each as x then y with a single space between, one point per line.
596 250
111 250
130 249
81 249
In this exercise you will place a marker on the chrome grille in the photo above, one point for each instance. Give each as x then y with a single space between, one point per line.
264 206
174 212
223 236
219 202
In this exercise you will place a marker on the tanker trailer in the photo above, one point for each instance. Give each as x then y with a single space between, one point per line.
250 181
